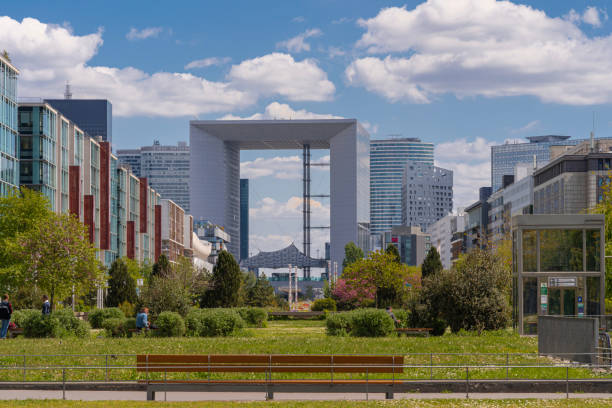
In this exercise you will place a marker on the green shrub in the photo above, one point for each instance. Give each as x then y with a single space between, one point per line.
170 324
40 325
439 327
213 322
19 317
254 316
193 322
130 323
324 304
115 327
338 324
403 316
70 324
96 317
371 323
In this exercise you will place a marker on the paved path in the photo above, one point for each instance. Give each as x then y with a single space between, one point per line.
258 396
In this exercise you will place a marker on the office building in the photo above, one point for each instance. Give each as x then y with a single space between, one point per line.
165 167
92 116
244 219
9 143
215 234
411 243
388 159
427 194
173 230
476 231
442 233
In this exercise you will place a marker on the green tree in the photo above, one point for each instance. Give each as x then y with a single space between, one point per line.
162 267
121 285
261 294
352 253
605 207
165 294
392 250
225 283
57 257
432 263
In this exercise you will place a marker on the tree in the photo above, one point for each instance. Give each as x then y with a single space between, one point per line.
165 294
57 257
432 263
392 250
121 285
472 296
225 283
261 294
352 253
161 267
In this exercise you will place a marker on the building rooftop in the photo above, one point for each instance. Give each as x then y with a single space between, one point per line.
547 138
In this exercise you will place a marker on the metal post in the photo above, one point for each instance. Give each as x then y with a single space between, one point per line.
296 286
507 365
106 370
24 368
306 206
567 382
63 383
289 295
431 366
467 382
367 388
165 384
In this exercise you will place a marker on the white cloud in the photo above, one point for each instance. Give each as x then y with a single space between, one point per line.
342 20
470 162
334 52
280 74
208 62
529 126
298 43
49 55
298 19
280 167
271 208
482 48
148 32
591 16
372 128
280 111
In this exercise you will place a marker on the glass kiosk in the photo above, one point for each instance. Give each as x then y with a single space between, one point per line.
558 267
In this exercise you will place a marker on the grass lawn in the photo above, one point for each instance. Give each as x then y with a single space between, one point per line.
531 403
288 337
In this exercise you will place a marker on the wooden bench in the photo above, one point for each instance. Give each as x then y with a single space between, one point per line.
269 365
296 315
15 332
413 330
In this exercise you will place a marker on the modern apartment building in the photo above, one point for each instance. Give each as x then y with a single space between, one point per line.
165 167
442 233
504 158
388 159
412 243
93 116
173 230
244 219
427 194
9 143
476 230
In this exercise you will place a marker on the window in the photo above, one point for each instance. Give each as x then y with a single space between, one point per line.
561 250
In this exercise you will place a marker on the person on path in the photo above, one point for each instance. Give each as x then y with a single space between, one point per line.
46 306
6 310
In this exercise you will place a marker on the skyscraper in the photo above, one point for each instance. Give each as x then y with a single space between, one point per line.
244 219
93 116
9 145
427 194
165 167
388 159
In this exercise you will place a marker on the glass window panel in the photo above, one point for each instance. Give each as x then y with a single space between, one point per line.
593 300
561 250
529 251
593 245
554 301
530 305
569 302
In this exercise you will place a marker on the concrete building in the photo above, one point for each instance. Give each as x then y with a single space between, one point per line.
574 180
9 142
427 194
173 230
244 219
215 167
442 233
93 116
166 168
477 221
388 159
216 235
412 243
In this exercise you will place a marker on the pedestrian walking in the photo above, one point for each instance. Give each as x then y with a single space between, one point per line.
6 310
46 307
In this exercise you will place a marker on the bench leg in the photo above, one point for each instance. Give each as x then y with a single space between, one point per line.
150 395
388 395
269 396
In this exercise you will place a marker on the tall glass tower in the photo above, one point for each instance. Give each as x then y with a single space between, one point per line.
244 218
388 159
9 164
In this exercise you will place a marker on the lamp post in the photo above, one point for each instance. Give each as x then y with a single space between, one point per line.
289 294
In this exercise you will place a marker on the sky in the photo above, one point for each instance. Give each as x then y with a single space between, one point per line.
463 74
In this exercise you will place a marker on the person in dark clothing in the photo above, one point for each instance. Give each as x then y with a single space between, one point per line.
46 307
395 319
6 310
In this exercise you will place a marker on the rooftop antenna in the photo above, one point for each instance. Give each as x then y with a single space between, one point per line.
68 91
593 134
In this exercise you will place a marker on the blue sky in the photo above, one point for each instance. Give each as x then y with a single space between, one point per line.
463 74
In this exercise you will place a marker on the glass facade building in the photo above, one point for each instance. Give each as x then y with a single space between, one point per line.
388 159
9 144
93 116
244 219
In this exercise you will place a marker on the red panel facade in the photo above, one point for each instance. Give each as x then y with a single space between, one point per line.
143 204
105 193
74 190
130 239
158 231
88 216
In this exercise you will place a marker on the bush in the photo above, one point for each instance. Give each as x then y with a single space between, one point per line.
165 295
439 327
254 316
39 325
193 322
371 323
170 324
213 322
70 325
96 317
403 316
130 323
19 317
324 304
338 324
128 309
115 327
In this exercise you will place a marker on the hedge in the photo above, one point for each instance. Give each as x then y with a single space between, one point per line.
19 317
96 317
328 304
213 322
61 323
115 327
254 316
169 324
360 323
